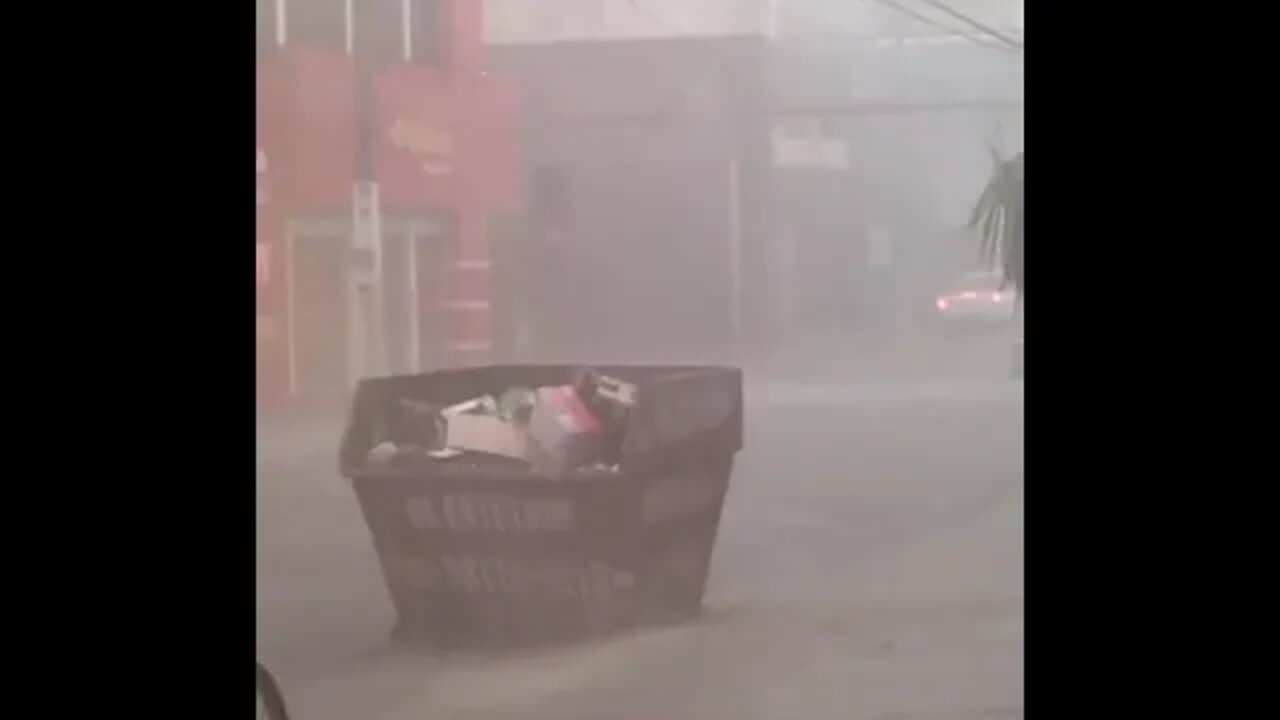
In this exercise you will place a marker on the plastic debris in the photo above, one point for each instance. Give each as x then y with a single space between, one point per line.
552 430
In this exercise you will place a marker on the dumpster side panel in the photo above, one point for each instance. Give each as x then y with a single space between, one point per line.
680 519
487 560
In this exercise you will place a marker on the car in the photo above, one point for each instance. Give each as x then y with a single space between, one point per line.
978 298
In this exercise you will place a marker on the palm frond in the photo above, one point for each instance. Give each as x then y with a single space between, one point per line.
991 223
998 215
981 207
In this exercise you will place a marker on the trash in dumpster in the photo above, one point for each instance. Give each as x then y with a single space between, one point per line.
610 400
485 405
419 424
487 434
553 429
383 453
565 434
516 405
616 391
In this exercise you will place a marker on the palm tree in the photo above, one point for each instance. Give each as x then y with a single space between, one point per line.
999 213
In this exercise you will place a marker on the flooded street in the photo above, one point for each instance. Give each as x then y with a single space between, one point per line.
825 195
870 565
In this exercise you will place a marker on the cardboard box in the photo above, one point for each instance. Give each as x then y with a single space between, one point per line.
563 433
486 434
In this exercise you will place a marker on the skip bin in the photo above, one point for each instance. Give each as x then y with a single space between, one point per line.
484 554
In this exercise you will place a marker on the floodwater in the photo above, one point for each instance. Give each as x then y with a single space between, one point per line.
869 565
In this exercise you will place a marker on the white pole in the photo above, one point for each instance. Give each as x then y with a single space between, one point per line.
379 349
291 314
415 308
356 319
282 24
735 252
406 34
349 16
367 339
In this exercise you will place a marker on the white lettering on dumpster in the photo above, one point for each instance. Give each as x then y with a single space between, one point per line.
478 512
680 496
499 575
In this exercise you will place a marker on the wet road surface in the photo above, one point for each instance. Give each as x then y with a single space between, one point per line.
869 566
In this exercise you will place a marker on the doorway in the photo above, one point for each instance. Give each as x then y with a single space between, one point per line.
357 312
409 246
318 311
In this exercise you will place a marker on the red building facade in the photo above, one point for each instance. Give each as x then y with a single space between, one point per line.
384 151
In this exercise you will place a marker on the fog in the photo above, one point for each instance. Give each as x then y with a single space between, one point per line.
784 187
816 185
748 264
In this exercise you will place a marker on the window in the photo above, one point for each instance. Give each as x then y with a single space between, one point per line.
316 23
377 28
428 31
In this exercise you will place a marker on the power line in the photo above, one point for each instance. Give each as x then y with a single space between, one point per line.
941 26
1003 41
646 10
973 23
784 110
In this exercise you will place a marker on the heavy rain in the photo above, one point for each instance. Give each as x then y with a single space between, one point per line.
825 195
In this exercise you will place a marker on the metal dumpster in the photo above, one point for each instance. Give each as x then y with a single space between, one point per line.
478 554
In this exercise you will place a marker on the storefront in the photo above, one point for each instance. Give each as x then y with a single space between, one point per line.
376 185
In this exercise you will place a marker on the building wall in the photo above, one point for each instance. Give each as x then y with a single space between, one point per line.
521 22
640 137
